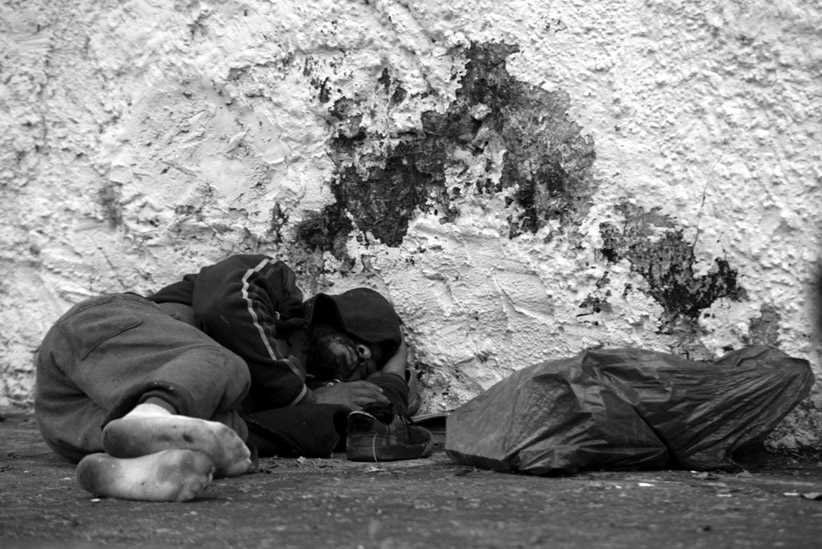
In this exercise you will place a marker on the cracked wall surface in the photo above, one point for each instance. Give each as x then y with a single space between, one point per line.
522 179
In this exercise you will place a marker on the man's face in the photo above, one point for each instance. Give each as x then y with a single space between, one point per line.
353 360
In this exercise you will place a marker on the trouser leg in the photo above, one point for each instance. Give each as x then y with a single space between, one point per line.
317 430
107 355
310 430
395 389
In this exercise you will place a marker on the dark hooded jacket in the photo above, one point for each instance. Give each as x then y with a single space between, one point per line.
251 304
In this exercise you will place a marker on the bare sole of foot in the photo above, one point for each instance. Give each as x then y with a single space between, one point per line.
170 475
136 435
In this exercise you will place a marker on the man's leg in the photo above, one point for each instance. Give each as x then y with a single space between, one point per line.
310 430
383 433
120 362
153 454
395 389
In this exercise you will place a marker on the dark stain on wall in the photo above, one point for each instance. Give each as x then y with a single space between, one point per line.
347 119
547 160
327 231
658 251
318 82
279 218
382 178
764 330
817 300
109 199
597 300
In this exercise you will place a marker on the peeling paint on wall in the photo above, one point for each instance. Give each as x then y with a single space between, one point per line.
666 263
764 329
382 179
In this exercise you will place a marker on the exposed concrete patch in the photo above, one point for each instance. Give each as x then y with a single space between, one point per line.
326 232
597 301
382 178
764 330
666 261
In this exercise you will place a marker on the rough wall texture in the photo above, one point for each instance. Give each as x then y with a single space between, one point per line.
523 179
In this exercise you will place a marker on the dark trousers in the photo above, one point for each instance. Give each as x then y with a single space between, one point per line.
318 430
108 354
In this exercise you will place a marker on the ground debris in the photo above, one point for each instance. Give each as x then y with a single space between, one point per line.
817 496
704 475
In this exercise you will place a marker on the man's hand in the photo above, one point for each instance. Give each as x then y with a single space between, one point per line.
352 394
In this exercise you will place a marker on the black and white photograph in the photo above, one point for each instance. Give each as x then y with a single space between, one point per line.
395 274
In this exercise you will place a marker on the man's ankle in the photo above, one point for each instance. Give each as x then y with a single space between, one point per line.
155 402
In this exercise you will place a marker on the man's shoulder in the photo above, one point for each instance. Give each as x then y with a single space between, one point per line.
249 263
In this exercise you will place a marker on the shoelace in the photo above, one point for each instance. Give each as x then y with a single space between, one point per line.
405 421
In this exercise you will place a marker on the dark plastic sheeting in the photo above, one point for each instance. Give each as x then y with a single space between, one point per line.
627 408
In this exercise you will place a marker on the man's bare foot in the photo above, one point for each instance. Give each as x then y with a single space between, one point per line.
149 428
170 475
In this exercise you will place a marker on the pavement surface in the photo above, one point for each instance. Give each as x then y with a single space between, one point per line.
419 503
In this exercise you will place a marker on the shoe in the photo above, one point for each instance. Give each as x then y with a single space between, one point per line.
369 439
384 413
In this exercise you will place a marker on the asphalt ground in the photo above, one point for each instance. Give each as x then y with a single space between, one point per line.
418 503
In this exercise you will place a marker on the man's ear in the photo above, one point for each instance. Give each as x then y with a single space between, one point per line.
363 351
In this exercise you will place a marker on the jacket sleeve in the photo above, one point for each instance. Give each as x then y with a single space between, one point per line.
179 292
249 303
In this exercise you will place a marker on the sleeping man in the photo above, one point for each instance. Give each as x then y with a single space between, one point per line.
155 395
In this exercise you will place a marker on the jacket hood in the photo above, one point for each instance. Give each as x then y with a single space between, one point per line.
362 313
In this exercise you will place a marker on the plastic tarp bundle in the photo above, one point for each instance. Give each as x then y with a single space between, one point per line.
627 408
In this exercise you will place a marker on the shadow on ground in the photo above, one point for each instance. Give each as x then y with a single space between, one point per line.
418 503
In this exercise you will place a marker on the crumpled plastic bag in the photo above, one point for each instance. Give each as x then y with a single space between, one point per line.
627 408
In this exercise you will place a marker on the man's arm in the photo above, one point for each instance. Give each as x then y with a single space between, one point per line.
397 363
359 394
354 395
247 303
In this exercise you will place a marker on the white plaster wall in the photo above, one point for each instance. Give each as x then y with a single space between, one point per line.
143 139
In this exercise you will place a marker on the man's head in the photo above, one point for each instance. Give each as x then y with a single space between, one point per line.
350 335
334 354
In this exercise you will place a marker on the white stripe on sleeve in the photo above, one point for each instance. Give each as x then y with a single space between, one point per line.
254 319
256 322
